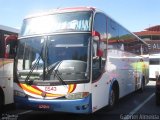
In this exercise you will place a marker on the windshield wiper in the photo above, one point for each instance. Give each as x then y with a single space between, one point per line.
56 73
27 81
54 68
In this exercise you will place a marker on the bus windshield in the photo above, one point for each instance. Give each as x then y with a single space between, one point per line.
65 56
71 21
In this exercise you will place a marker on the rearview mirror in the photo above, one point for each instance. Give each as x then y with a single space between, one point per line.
96 35
99 52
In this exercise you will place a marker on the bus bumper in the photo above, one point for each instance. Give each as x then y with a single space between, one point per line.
58 105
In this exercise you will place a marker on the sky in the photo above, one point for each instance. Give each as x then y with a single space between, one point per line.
135 15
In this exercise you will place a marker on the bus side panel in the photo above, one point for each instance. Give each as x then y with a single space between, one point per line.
1 73
8 80
120 68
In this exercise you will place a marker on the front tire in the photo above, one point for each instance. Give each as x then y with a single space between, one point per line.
1 105
112 98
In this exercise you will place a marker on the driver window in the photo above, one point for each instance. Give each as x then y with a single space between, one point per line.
98 63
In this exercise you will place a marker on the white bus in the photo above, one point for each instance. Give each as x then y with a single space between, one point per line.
154 66
77 60
8 42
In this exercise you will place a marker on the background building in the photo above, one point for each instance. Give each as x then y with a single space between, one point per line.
152 36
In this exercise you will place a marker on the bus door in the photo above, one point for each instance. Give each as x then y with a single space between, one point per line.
99 89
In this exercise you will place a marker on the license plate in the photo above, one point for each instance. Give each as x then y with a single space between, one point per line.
43 106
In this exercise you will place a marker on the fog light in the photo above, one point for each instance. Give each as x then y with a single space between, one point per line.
85 107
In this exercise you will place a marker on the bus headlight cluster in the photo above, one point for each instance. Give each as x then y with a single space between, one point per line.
18 93
78 95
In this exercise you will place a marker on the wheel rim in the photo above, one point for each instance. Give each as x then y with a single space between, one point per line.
112 98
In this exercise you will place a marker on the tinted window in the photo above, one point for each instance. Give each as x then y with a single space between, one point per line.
100 24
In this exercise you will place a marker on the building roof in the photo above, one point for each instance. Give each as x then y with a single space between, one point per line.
153 44
141 33
154 30
10 29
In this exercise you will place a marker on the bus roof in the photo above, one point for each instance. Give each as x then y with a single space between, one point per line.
154 56
61 10
9 29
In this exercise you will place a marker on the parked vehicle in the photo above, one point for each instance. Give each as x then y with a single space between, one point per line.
157 92
8 44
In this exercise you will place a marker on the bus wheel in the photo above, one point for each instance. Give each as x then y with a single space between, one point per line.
1 105
112 99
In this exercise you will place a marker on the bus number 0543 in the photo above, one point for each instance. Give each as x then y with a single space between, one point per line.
50 88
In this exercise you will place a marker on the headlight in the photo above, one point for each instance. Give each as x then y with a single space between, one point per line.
78 95
18 93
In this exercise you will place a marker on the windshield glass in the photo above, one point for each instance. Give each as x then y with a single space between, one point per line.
72 21
63 56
